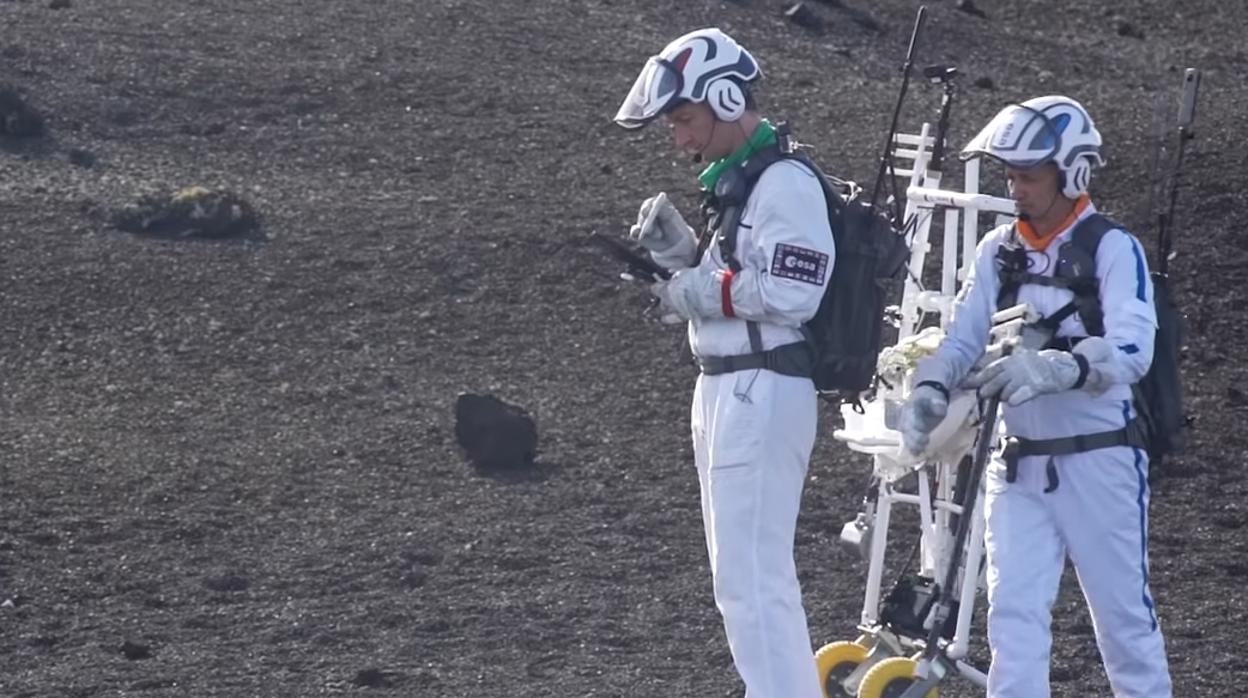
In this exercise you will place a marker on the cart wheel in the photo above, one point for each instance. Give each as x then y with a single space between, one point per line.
835 661
889 679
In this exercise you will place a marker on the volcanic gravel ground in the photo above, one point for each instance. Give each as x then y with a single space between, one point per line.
229 469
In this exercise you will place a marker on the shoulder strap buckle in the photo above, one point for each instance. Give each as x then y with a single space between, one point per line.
784 138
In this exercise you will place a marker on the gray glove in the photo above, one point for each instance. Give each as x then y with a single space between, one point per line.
921 414
661 230
1027 374
693 293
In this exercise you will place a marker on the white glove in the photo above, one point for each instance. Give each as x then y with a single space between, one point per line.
922 413
661 230
1026 374
692 293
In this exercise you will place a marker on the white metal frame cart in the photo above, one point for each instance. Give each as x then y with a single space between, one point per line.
898 653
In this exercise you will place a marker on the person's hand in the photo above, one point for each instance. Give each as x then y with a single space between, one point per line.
669 311
1025 374
691 294
663 231
921 414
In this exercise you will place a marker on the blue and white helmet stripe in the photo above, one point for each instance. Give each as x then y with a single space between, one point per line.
1045 129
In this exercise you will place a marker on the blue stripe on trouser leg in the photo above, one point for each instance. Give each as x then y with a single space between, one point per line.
1025 562
1142 502
1102 507
752 458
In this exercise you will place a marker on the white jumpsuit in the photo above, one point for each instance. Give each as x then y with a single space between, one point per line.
753 430
1098 514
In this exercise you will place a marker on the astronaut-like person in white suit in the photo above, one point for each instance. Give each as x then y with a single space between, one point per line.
753 419
1050 503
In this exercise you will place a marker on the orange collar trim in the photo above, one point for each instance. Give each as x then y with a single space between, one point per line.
1041 242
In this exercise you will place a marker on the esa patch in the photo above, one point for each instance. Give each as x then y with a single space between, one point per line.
799 264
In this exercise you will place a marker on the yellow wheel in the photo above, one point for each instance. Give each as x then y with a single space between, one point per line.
835 661
890 678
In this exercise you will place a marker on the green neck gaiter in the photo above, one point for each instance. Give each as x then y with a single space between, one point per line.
762 137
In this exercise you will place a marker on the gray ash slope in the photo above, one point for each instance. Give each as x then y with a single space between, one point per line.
239 458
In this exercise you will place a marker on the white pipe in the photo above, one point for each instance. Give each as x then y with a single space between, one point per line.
946 474
970 221
930 546
875 569
949 263
933 302
928 198
919 245
970 583
911 139
943 505
1019 311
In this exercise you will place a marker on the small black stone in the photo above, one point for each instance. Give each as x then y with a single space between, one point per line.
81 158
17 119
374 678
802 16
969 7
1129 30
226 582
134 651
494 434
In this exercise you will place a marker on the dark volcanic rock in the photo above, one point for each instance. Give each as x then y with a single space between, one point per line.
241 455
17 118
969 7
801 15
135 651
193 212
376 678
227 582
1127 29
81 157
495 435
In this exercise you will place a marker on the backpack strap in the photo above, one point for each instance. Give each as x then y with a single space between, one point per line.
1134 434
722 210
726 203
1131 435
1012 272
731 193
1079 266
1076 271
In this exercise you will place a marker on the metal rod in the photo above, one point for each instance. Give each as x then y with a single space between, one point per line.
1187 114
886 158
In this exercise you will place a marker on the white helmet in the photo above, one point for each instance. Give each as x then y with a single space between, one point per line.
1045 129
701 66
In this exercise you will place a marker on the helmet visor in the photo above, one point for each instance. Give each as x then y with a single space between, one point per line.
1018 136
657 88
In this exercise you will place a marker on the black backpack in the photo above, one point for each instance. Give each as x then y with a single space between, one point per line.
847 330
1159 394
